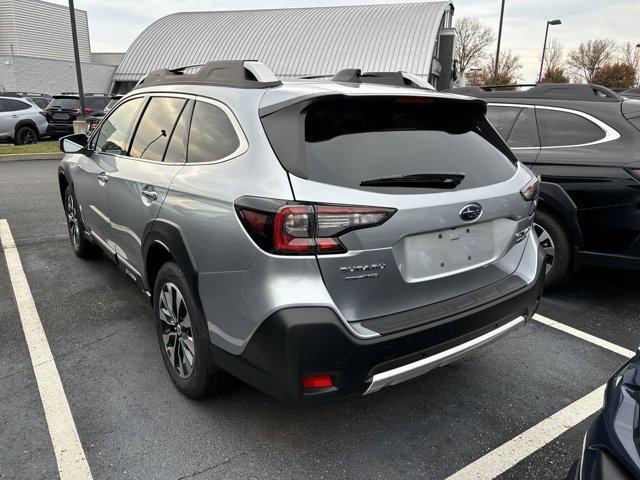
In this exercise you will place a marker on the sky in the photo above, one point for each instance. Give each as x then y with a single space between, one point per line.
114 24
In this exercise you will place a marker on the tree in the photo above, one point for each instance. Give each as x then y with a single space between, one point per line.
473 39
617 75
553 55
630 54
589 57
554 75
508 71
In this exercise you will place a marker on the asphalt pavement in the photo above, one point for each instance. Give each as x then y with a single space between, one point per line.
132 423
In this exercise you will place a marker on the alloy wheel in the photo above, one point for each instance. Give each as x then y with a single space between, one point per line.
72 221
177 334
547 245
27 137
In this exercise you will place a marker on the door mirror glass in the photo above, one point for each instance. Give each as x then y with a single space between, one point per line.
74 143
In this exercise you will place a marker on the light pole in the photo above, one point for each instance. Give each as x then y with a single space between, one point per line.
76 54
495 67
544 48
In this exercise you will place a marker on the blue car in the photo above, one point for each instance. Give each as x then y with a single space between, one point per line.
611 449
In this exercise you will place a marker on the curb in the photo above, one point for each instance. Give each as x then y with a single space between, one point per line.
14 157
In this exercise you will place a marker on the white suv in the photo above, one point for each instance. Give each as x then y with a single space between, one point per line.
20 121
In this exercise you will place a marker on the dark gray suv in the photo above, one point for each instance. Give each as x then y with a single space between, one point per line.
315 238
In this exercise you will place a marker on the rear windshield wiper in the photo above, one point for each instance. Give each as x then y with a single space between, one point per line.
447 181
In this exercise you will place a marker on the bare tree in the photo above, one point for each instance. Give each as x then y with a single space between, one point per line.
591 56
473 39
630 54
554 55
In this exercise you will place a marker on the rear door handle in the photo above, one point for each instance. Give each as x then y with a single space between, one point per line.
14 116
103 178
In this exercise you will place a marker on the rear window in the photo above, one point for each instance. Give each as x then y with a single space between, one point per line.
350 141
65 103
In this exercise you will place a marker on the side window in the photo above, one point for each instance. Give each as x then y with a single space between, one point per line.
16 105
212 135
503 119
114 130
177 151
4 105
563 129
155 128
525 131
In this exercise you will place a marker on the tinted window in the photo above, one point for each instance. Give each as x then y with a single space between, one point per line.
348 142
4 105
41 102
114 130
503 119
96 104
65 103
525 131
177 151
16 105
563 128
155 128
212 135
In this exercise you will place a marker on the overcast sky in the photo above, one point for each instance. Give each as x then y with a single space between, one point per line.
114 24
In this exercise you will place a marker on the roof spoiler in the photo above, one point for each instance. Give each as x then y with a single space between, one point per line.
233 73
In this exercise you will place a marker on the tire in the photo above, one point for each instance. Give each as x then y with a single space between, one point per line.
190 364
25 135
82 247
554 239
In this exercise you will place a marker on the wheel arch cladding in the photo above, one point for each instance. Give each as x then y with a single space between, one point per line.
163 242
25 123
63 182
555 200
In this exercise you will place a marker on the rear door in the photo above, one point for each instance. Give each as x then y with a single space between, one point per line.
7 120
141 179
517 126
430 249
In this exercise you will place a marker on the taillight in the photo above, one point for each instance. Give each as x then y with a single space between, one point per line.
76 112
45 113
303 229
317 381
531 190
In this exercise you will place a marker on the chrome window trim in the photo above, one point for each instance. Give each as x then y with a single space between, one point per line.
611 134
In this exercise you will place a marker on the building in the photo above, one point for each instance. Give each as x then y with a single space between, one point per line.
36 50
413 37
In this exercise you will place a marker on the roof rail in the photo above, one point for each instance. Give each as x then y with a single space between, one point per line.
566 91
24 94
401 79
233 73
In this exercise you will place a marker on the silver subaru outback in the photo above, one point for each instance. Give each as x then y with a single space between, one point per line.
314 237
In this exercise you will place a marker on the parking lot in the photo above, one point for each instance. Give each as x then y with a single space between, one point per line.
132 423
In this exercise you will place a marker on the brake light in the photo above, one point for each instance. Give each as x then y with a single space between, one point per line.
531 190
304 229
45 113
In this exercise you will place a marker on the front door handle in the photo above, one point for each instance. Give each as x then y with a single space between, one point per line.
103 178
150 193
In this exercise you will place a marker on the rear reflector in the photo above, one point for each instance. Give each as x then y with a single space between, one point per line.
317 381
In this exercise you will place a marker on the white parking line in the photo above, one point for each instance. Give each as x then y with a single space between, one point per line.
72 463
507 455
584 336
498 461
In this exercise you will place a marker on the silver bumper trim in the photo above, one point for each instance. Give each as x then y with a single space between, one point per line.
415 369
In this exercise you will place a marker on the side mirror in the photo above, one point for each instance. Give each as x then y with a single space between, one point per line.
76 143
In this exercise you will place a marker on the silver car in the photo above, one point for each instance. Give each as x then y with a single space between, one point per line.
315 238
20 120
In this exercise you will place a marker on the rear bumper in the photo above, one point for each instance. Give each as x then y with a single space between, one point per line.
59 129
296 342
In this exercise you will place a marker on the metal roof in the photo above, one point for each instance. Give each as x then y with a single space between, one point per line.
295 41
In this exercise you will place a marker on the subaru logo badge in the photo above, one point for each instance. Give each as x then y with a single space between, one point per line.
471 212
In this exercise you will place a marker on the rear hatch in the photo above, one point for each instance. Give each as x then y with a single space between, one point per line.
451 184
65 109
631 111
